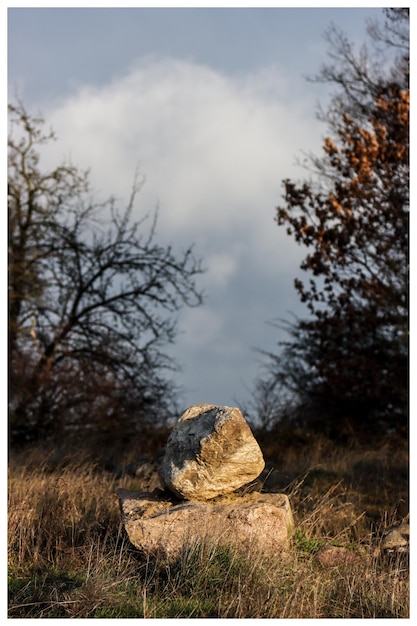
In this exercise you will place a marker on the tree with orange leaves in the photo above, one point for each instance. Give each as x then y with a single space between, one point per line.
347 364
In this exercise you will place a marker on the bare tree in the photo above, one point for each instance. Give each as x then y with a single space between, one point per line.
93 299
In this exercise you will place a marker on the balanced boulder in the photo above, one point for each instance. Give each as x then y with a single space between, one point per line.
210 452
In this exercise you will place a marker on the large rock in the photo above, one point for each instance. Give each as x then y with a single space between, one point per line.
332 556
396 539
211 451
254 522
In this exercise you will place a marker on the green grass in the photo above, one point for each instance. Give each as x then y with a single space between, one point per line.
308 545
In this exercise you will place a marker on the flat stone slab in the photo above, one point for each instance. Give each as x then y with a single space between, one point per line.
157 523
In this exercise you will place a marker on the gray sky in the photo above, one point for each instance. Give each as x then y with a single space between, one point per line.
214 108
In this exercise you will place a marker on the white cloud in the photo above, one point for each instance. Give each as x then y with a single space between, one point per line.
214 150
208 144
221 267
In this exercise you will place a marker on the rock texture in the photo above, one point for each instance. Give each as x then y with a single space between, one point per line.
211 451
255 522
332 556
396 539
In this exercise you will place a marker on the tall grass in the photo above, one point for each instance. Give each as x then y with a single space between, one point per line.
70 558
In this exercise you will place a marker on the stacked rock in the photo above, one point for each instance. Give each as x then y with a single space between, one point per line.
211 452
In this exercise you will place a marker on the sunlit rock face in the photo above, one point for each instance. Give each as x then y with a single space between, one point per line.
158 524
211 452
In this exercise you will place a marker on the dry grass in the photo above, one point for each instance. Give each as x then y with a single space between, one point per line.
69 557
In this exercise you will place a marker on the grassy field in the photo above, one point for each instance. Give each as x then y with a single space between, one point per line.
69 557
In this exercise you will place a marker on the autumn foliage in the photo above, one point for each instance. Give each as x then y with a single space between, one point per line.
348 361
